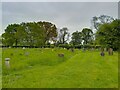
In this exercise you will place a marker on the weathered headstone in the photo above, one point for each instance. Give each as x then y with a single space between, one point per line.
61 55
7 62
23 48
92 49
102 52
72 49
83 49
110 51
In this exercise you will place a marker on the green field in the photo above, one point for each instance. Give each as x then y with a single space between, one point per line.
43 68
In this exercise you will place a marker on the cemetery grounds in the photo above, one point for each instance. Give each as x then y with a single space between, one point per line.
43 68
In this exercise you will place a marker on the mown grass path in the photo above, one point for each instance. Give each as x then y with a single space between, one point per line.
42 68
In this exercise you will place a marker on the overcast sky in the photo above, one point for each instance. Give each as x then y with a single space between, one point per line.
73 15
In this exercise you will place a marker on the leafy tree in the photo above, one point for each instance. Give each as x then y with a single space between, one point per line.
29 34
63 35
50 31
11 35
76 38
35 35
87 35
102 19
108 34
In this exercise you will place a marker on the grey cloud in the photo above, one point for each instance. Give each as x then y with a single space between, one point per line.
74 15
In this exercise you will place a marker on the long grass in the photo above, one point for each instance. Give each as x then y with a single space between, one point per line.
43 68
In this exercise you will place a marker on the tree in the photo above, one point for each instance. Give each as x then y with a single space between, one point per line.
76 38
11 36
50 31
108 34
63 35
102 19
34 34
87 35
29 34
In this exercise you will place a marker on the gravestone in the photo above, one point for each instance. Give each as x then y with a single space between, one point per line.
61 55
72 49
102 52
83 49
23 48
7 62
110 51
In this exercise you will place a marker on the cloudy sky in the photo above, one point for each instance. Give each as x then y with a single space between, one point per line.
73 15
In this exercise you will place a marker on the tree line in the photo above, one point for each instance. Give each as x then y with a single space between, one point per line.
46 33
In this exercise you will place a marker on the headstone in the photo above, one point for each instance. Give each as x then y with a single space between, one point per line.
83 49
102 54
92 49
110 51
72 49
7 62
61 55
23 48
67 48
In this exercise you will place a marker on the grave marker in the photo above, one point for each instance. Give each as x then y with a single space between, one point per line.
110 51
7 62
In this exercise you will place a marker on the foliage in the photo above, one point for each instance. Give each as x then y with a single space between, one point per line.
87 35
76 38
108 34
32 34
63 35
102 19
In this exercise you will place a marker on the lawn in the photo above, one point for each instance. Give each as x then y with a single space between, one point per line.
43 68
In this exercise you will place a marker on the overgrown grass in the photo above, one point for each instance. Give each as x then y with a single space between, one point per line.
42 68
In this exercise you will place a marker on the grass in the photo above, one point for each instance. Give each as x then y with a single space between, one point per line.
42 68
0 68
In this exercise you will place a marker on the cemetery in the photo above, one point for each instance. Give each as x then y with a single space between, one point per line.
59 45
58 67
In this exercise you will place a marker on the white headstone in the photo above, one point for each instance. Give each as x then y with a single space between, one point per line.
7 62
23 48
